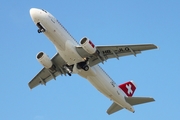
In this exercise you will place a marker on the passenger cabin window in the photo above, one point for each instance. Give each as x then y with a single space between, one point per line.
44 11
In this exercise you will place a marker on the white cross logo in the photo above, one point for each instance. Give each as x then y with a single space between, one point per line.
129 89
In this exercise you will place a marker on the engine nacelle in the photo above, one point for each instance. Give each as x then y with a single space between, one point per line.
87 45
44 60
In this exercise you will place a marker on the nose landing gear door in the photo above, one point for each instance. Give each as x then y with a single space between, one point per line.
41 27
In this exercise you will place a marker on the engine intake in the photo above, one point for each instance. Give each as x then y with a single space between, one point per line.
44 60
87 45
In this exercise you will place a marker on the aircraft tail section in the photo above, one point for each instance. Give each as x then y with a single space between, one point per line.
138 100
128 88
114 108
131 100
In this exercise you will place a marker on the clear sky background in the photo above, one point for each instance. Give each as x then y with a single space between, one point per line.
155 72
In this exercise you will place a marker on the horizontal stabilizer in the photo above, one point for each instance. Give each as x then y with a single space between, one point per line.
132 101
138 100
114 108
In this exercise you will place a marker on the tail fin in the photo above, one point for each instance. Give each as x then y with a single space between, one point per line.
128 88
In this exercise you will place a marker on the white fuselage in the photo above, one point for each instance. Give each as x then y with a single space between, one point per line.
66 47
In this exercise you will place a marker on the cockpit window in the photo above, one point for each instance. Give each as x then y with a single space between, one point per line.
44 11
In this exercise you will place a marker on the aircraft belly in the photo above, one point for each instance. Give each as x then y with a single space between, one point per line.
70 54
64 44
99 86
99 80
56 37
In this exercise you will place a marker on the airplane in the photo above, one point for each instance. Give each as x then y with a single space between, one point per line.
83 58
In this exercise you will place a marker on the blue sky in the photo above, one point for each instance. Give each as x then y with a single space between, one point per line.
156 72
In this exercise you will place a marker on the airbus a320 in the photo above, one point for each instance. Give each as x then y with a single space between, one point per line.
83 58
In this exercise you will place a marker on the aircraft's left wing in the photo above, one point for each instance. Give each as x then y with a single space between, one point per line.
46 75
115 51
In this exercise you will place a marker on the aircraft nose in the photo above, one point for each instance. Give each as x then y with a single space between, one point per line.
34 13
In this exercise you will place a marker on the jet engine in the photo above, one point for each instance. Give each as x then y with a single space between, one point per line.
87 45
44 60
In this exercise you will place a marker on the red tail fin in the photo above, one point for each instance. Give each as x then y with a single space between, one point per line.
128 88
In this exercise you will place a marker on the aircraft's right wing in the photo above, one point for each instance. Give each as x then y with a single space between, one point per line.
114 51
46 75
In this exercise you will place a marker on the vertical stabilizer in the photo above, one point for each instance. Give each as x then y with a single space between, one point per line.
128 88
